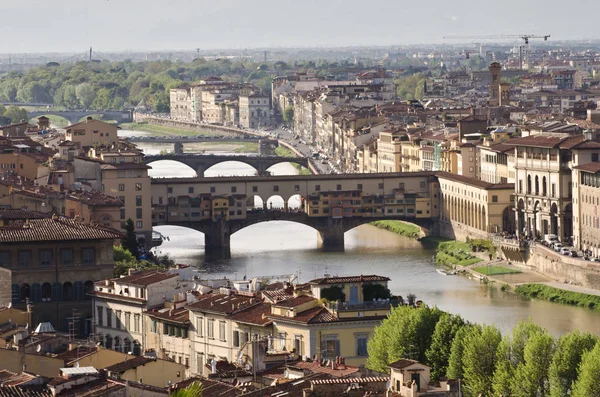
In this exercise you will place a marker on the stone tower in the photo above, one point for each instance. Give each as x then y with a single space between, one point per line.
495 69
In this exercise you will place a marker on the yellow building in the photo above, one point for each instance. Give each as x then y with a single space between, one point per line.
150 371
92 133
389 150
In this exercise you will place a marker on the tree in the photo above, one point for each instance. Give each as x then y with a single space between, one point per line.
406 333
439 351
70 100
288 114
194 390
16 114
479 360
130 241
85 94
511 354
565 362
587 384
531 376
455 361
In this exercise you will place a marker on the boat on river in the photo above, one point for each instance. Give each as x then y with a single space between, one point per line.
445 272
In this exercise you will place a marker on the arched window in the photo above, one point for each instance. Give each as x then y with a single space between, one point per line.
25 292
127 345
46 292
537 185
117 343
528 184
108 341
67 291
544 187
137 348
88 287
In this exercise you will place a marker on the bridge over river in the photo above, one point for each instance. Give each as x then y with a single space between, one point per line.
266 146
331 204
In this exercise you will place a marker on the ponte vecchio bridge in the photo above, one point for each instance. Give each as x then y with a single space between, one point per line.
331 204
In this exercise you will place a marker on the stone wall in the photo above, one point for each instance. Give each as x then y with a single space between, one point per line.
458 231
563 268
191 126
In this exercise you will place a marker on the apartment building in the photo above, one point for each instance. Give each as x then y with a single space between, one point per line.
586 222
92 133
254 110
180 103
496 162
51 262
119 305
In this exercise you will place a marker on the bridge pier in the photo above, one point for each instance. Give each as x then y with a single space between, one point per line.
217 241
200 171
178 148
331 237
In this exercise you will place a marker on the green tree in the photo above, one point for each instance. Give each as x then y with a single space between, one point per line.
588 384
85 94
193 390
455 361
129 242
479 360
567 357
102 100
70 100
531 376
406 333
288 114
511 354
16 114
439 351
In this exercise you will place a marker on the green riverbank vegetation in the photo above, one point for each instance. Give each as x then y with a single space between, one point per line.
495 270
285 152
552 294
405 229
526 362
454 252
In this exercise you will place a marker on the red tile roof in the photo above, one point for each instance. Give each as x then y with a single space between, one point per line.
348 279
475 182
146 278
402 363
181 315
57 228
589 167
339 372
297 301
316 315
256 315
94 198
21 214
130 363
222 304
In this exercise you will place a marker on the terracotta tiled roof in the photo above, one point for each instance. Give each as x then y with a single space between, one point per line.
96 388
94 198
293 302
25 391
256 315
76 353
128 364
55 229
228 370
475 182
125 166
21 214
338 372
222 304
181 315
402 363
316 315
345 381
146 278
348 279
589 167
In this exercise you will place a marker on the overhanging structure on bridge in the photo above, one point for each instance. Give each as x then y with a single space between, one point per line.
266 146
331 204
201 163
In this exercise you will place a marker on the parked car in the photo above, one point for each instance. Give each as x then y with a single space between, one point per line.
565 251
557 247
573 254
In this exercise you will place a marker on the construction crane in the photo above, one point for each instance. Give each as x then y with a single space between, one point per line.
524 37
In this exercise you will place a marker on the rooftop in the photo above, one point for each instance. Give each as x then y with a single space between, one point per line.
293 302
146 278
475 182
222 304
94 197
402 363
57 228
128 364
181 315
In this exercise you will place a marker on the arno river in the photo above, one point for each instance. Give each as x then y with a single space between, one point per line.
281 248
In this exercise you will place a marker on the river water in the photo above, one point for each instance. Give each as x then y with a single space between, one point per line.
285 248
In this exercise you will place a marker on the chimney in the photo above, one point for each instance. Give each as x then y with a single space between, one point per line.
89 118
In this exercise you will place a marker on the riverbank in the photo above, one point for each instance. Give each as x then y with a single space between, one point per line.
399 227
560 295
160 130
285 152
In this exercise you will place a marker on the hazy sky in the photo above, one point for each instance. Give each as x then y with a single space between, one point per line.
114 25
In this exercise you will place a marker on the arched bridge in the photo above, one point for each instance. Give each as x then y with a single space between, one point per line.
266 146
201 163
331 204
121 116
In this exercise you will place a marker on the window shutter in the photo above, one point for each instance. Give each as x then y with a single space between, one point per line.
36 292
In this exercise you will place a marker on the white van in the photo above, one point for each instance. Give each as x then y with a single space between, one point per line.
550 239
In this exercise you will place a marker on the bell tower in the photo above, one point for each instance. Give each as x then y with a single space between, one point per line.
495 69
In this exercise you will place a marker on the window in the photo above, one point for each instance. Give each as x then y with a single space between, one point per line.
331 348
138 187
595 157
122 198
154 326
139 213
254 189
422 185
298 344
24 258
121 187
4 258
190 190
317 188
554 190
296 188
236 338
138 201
211 329
88 256
494 199
222 330
122 213
66 257
136 323
127 321
361 344
381 186
199 326
99 318
118 324
109 318
169 190
139 224
359 186
276 188
233 189
213 189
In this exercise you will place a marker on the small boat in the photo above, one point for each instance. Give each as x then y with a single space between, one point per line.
445 272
